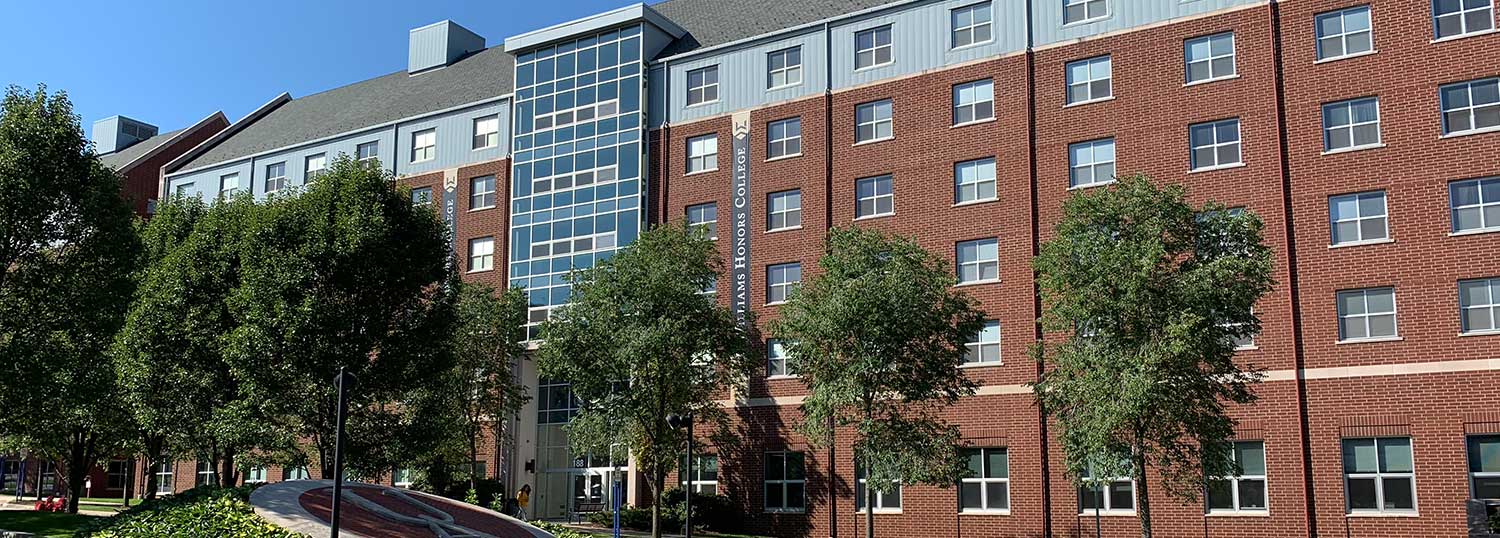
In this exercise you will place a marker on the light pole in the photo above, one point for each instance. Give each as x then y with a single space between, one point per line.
344 382
679 421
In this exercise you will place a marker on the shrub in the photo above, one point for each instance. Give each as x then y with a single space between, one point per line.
1495 521
202 512
713 512
559 531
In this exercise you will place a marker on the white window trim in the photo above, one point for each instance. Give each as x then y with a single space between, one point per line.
1094 164
890 30
977 346
688 213
470 267
1234 487
1472 475
375 155
691 142
494 186
414 147
685 482
956 105
279 180
771 212
1468 88
980 263
1365 317
1489 7
1380 483
1068 24
1386 216
784 482
1090 62
784 69
875 122
789 286
771 345
890 179
771 140
879 498
1490 284
958 185
953 30
1343 34
496 132
704 88
1104 496
984 493
1239 142
1234 54
1349 104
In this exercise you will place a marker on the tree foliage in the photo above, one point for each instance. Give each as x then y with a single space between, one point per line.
878 338
1153 292
67 253
640 320
488 343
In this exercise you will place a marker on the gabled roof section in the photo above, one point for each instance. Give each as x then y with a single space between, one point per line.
716 22
483 75
121 160
593 23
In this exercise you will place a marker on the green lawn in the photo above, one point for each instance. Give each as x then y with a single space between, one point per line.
115 502
44 524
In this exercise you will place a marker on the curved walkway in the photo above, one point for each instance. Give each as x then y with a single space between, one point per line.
374 511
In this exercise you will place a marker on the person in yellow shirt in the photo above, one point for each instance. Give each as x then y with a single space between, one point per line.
523 499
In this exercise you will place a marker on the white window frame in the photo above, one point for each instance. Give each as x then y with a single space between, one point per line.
295 473
1093 68
1088 6
1237 506
1484 206
373 145
979 263
985 345
1469 110
486 132
1077 167
1469 445
876 47
1106 501
481 261
975 97
576 179
1209 40
208 477
783 482
778 364
1492 298
572 245
548 121
276 182
875 197
229 184
783 146
985 506
875 123
777 282
1462 16
1216 127
860 482
166 477
706 91
1364 317
1379 477
788 213
712 225
421 200
703 153
791 74
258 474
970 178
974 25
696 481
310 173
481 199
1344 33
1359 218
423 145
402 477
1350 124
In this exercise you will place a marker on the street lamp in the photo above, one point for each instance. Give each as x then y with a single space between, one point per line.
678 422
344 382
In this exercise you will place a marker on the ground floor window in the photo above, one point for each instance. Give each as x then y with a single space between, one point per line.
1105 494
785 482
1484 466
256 474
1379 475
294 473
116 474
164 477
987 488
403 477
206 474
10 473
1246 491
704 476
48 473
884 500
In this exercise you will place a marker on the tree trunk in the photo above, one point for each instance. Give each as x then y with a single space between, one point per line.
658 491
226 473
78 467
1143 490
473 457
151 482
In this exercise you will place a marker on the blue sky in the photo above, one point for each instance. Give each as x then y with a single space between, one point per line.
172 62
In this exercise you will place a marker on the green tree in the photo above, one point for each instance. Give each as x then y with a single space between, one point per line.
1153 292
488 343
878 338
345 273
640 318
67 253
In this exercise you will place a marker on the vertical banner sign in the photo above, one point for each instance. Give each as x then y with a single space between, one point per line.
740 198
450 207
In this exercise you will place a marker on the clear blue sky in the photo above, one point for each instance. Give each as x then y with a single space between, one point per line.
172 62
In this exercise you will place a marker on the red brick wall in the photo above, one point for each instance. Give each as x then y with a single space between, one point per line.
143 182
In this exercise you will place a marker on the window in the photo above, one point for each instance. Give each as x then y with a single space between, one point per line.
1210 57
872 121
1471 106
776 363
478 469
974 181
974 102
403 477
784 68
872 47
785 484
1246 491
884 500
703 153
971 25
206 474
481 254
421 196
705 216
978 261
1358 218
228 185
367 150
1454 18
1351 124
295 473
786 210
312 166
116 474
784 138
984 346
424 145
703 85
1076 11
1476 204
487 131
164 477
255 475
592 111
555 402
1215 144
987 488
1479 305
1090 80
1091 163
1378 475
705 476
275 177
873 198
1112 494
184 190
482 192
1484 466
1367 314
1345 32
780 280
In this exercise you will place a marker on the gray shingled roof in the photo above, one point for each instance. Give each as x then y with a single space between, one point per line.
716 22
132 152
483 75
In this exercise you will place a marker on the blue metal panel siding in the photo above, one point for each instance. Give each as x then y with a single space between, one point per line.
428 47
206 182
742 77
1123 15
455 136
656 96
920 40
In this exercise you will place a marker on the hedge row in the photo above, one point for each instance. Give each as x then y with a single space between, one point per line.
203 512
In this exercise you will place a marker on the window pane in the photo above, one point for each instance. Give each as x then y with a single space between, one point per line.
998 464
998 495
1251 457
969 496
1398 493
773 496
1484 454
1359 456
1252 494
1121 496
794 496
1220 495
1395 455
1361 494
